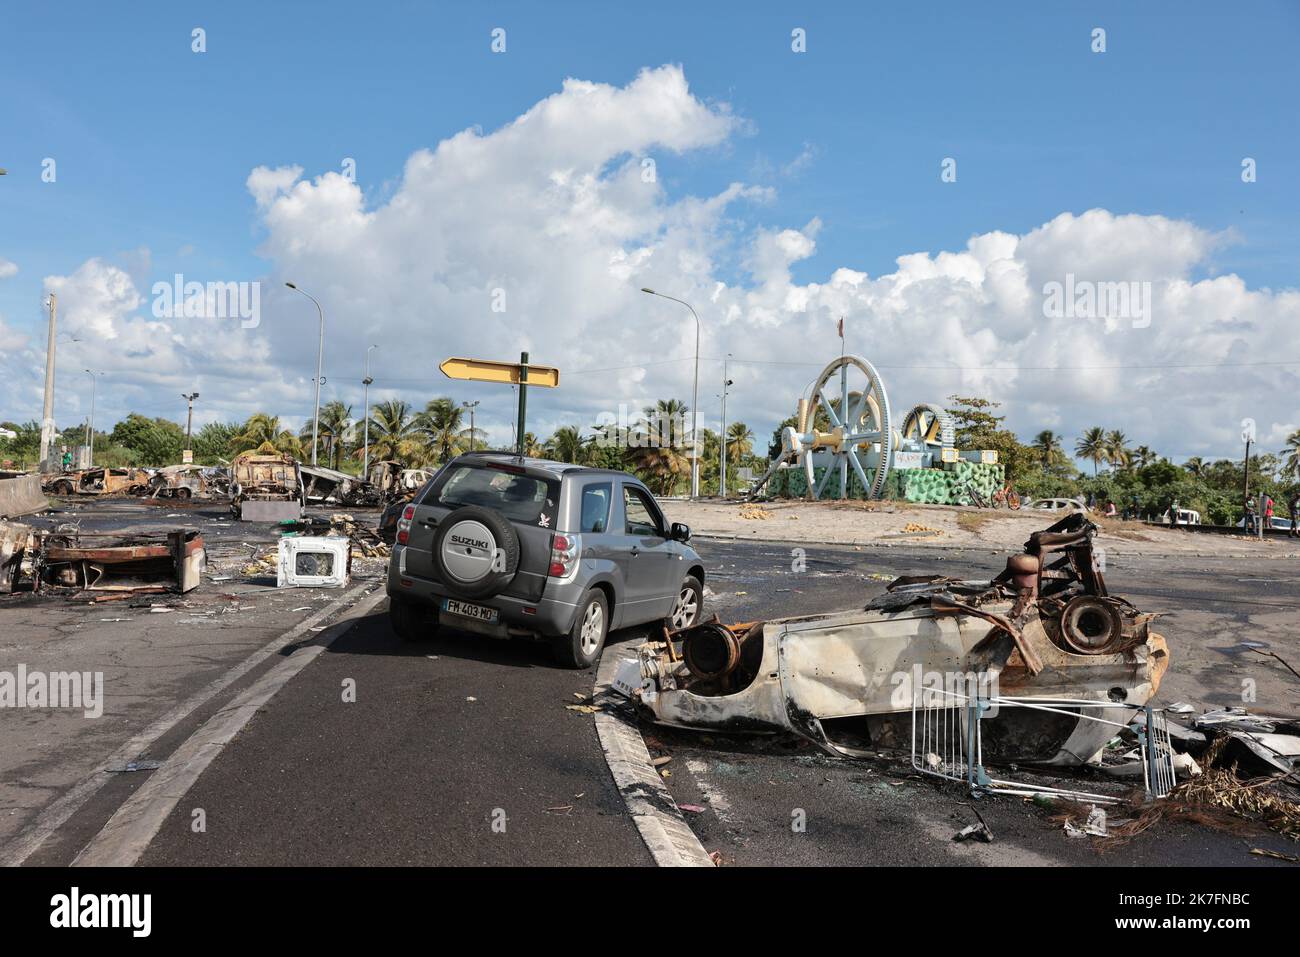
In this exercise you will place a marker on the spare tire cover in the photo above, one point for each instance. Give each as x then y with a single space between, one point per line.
476 551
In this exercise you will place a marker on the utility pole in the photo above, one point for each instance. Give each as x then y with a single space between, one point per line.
320 356
1248 436
471 406
90 424
189 397
365 441
47 417
722 466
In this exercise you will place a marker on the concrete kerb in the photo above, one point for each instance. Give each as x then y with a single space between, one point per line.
659 821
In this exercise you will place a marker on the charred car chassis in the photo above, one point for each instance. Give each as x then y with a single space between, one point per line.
1045 629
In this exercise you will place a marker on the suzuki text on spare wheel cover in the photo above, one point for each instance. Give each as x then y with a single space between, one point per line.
505 546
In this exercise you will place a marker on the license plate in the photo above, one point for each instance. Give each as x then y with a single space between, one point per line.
463 608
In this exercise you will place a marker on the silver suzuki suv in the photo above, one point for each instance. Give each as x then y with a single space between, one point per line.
507 546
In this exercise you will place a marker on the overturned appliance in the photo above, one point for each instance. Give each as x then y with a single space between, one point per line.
313 561
170 563
1044 631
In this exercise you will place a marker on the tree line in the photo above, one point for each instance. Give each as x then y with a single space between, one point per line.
417 438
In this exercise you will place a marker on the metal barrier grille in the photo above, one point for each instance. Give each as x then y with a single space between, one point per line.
947 742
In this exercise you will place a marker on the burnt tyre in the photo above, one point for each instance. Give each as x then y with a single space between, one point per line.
62 488
581 646
688 607
476 551
411 621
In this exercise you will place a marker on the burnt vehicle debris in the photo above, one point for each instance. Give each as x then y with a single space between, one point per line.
189 481
322 486
171 561
266 487
98 481
1069 661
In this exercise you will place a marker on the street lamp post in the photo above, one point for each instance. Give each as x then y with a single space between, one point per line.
320 356
722 466
695 396
189 398
471 406
365 441
47 416
90 424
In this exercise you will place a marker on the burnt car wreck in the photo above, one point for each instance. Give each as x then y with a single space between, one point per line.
1068 661
164 562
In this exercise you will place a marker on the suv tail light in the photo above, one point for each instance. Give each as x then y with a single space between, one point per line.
404 525
566 552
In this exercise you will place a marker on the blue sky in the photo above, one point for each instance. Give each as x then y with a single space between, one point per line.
154 143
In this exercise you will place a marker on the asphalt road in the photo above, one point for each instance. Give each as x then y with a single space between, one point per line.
461 750
456 751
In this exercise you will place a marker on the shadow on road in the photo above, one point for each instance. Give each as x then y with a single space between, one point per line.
372 635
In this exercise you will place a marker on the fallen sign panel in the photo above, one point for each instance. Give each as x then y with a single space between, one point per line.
1045 628
175 564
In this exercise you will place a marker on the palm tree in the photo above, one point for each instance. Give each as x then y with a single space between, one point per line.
665 422
335 420
1292 453
395 435
1118 453
740 443
1195 466
660 465
533 447
566 444
1143 456
442 421
263 431
1048 445
1092 446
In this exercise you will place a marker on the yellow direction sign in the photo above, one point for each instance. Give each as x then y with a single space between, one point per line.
489 370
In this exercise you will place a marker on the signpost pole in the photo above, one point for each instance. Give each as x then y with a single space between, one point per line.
523 400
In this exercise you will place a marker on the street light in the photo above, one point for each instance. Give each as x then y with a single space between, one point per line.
365 455
722 466
695 395
320 356
189 397
90 425
471 406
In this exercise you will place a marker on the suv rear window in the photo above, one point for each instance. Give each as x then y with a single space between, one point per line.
517 496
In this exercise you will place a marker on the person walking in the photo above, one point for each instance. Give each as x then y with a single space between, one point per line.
1293 508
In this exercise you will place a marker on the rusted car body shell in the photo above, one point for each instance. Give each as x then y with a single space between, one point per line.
818 669
266 477
98 481
182 481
